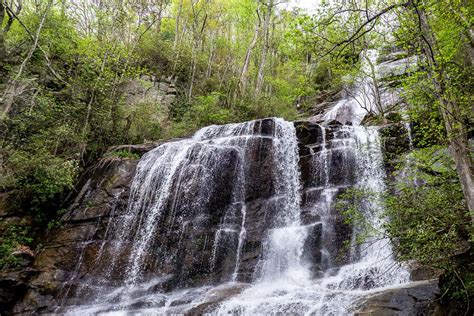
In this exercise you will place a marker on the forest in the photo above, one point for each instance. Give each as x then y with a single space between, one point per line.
78 77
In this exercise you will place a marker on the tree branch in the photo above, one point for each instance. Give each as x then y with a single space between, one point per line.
370 21
48 61
11 16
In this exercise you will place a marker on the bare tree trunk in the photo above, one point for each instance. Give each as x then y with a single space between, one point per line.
176 28
160 16
263 58
243 78
11 92
193 72
211 56
197 42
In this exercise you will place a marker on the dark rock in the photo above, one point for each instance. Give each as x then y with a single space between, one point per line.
106 192
417 298
312 248
138 149
395 141
23 256
264 127
334 122
215 297
13 286
321 108
308 132
420 272
318 119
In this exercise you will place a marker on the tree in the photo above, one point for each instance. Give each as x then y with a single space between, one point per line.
452 112
11 9
440 49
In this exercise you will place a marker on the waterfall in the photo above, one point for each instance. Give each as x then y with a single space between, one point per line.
241 219
362 98
368 268
227 206
283 246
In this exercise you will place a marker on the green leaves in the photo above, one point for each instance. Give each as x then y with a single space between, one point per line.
427 216
13 238
41 177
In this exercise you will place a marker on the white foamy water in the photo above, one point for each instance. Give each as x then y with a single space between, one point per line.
284 280
291 288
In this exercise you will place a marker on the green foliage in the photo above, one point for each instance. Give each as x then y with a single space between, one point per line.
444 69
206 110
428 214
42 178
428 218
12 238
124 154
423 111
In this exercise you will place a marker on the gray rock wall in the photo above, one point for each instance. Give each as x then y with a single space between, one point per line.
70 251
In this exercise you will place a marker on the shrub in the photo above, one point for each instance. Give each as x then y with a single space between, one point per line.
14 236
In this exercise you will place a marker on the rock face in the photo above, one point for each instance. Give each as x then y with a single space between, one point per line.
150 89
14 285
417 298
355 103
103 196
223 201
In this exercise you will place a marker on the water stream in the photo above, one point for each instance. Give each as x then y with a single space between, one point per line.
227 220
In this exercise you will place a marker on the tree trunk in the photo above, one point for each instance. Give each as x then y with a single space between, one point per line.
245 67
452 114
193 72
197 42
159 17
263 59
459 147
176 28
15 88
3 49
211 56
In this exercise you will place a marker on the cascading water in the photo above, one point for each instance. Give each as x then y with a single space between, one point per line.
362 98
241 219
353 158
179 189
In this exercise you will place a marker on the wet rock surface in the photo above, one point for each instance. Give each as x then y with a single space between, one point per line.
13 285
184 239
103 193
418 298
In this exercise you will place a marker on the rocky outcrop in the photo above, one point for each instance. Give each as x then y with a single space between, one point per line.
68 267
103 196
138 149
13 286
417 298
150 89
390 67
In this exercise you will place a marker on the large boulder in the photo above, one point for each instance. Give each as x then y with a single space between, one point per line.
416 298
